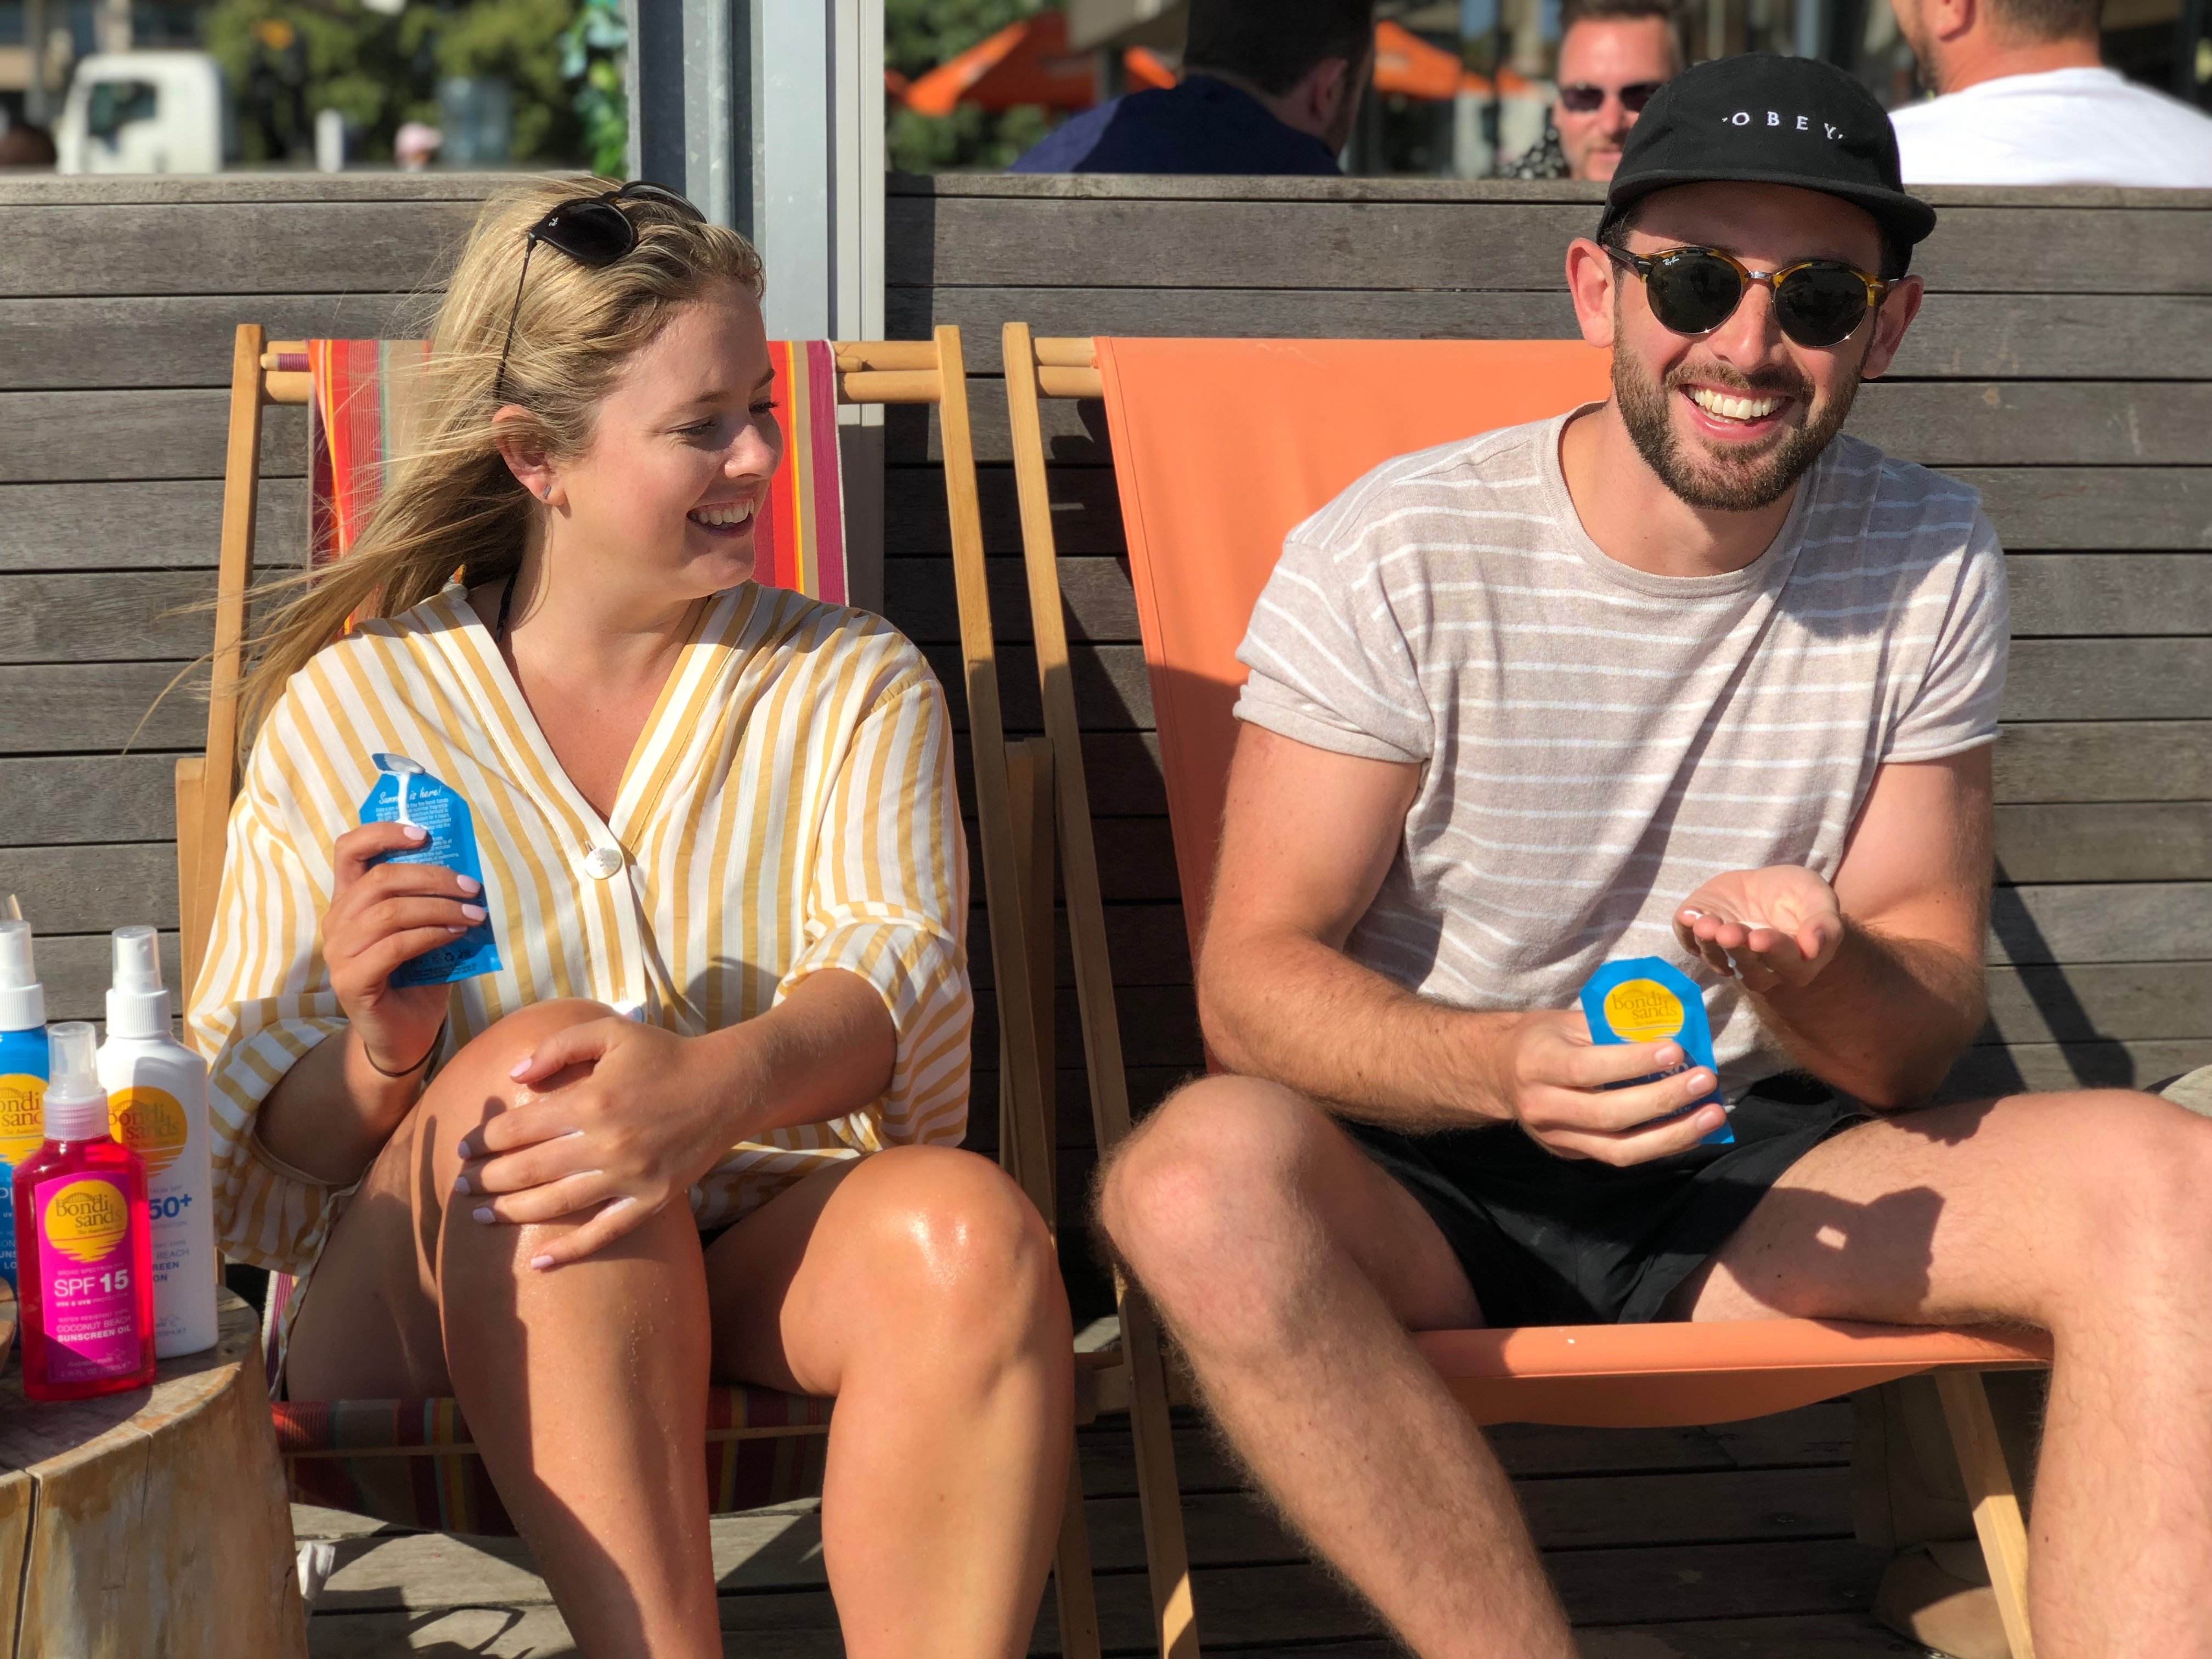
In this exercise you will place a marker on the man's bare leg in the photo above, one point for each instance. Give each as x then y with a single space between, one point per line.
2088 1214
1290 1267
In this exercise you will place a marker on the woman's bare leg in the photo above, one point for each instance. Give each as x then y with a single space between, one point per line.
585 1387
918 1286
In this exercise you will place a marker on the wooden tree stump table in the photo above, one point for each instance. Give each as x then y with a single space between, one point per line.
149 1523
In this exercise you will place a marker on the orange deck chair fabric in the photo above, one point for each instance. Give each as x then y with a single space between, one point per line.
1220 447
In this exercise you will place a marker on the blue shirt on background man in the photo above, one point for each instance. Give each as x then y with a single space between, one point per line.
1202 125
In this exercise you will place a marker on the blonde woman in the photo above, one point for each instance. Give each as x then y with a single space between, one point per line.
701 1122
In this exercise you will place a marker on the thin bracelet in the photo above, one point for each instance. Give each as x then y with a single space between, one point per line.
435 1043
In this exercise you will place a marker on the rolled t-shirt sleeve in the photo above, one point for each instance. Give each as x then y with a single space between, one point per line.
888 902
1330 664
1959 698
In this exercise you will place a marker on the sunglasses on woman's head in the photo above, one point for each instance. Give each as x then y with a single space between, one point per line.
1693 290
1582 98
594 231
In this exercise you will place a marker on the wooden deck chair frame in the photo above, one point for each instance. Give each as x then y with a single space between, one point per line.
1650 1375
1013 785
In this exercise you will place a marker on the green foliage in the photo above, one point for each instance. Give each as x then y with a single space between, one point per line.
918 36
285 59
591 60
518 41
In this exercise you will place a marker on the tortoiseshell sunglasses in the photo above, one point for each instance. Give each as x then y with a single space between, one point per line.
1693 290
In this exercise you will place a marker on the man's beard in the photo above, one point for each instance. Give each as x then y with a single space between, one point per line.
1718 483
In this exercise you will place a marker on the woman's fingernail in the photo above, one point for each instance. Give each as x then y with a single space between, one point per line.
415 832
457 930
468 884
463 1149
483 1212
1693 915
1699 1081
1670 1055
541 1262
521 1066
473 912
461 1180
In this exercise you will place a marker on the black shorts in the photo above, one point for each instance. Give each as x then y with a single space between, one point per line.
1553 1241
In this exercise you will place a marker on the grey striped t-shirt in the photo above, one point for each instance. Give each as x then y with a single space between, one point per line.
1596 742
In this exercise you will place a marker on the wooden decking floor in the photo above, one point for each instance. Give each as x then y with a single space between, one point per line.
1719 1543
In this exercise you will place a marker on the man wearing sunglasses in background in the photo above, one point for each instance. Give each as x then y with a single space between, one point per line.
1614 55
1685 674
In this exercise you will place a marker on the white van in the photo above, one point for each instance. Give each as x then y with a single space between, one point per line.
145 112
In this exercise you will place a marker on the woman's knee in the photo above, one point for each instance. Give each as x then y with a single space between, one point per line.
478 1080
950 1244
494 1052
476 1085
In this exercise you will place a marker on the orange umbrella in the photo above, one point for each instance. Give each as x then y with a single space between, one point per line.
1025 62
1409 66
1142 67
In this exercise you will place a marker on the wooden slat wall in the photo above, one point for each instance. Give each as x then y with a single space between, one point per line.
118 302
2063 364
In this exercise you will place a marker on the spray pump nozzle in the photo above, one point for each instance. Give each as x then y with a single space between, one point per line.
76 1107
137 960
16 971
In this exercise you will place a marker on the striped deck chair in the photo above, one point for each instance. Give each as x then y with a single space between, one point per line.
1220 447
411 1462
764 1446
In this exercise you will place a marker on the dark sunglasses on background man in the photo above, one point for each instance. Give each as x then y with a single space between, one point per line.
593 230
1582 98
1693 290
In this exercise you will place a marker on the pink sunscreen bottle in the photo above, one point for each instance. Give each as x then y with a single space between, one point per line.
83 1241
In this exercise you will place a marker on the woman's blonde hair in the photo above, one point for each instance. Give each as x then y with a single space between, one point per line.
451 504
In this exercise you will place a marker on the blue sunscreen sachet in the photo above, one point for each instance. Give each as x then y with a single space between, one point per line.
407 793
1645 1000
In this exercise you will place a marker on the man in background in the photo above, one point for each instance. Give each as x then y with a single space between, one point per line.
1268 87
1614 55
2025 99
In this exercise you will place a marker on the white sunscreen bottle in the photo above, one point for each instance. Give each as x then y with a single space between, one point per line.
157 1096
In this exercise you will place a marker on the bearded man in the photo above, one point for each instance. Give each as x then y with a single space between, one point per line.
1688 673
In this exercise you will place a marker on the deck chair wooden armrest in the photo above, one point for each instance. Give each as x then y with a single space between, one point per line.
1185 554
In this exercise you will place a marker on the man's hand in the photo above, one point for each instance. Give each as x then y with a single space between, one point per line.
1550 1079
621 1119
1776 927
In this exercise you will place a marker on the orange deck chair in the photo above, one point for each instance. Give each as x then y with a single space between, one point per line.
412 1463
1220 446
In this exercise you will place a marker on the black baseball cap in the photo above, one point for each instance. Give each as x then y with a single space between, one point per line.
1760 119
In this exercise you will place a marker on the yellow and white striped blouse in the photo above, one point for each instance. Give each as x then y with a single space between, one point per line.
789 807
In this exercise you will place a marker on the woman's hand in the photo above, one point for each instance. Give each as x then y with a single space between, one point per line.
621 1117
382 915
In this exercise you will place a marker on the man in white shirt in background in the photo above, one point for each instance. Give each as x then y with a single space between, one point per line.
2025 100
